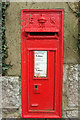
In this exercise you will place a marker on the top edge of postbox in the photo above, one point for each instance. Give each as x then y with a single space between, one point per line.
37 20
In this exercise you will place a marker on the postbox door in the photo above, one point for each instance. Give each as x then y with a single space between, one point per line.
41 84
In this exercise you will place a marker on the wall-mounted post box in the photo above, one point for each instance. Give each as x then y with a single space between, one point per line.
41 63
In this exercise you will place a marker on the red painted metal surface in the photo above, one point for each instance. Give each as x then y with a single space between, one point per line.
42 30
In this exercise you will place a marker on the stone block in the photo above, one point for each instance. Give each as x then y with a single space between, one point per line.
72 86
10 92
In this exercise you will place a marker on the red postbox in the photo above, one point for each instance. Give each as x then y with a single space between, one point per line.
41 63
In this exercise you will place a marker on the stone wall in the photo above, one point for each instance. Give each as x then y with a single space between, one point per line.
11 94
11 84
13 32
70 91
10 97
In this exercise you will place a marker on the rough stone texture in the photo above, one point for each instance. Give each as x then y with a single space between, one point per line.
10 96
0 97
0 113
71 114
13 32
72 86
10 92
79 90
0 92
10 113
70 90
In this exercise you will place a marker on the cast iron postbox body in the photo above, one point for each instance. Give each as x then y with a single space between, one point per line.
41 63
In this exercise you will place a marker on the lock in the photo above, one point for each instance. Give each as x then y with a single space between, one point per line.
41 63
37 88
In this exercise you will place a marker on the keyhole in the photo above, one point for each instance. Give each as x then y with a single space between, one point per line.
35 87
